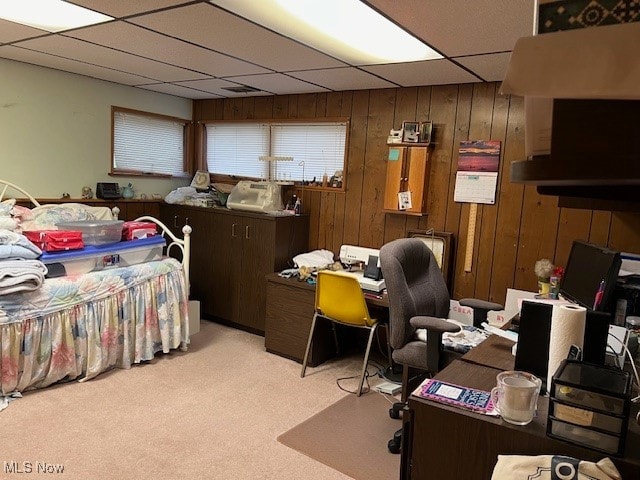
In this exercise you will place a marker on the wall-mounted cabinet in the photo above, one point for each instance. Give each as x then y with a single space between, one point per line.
408 177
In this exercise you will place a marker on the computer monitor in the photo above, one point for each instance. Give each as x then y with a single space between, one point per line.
587 267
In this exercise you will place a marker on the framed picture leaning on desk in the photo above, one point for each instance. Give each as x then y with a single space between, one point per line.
441 244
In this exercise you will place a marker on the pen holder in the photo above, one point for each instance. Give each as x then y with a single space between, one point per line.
543 286
554 287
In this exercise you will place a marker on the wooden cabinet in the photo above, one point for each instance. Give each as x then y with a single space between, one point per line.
200 266
407 171
231 254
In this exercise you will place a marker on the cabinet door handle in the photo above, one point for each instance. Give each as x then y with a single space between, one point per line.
186 221
246 232
175 221
233 230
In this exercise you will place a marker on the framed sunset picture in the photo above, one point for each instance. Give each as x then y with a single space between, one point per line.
479 156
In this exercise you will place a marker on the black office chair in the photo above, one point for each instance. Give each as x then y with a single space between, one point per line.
418 298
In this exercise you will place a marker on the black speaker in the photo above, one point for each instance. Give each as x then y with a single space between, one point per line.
532 354
596 334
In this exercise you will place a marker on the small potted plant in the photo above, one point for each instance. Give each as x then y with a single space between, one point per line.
543 270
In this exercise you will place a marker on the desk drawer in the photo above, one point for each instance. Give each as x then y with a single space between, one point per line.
288 321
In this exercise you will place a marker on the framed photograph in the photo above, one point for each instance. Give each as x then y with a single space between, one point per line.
201 180
410 132
426 128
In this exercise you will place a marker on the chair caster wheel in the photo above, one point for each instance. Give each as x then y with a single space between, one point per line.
393 413
394 445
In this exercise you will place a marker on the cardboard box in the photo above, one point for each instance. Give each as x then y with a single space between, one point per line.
588 63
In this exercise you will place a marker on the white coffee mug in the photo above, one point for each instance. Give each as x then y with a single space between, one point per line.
515 396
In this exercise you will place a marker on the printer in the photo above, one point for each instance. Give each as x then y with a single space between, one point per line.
370 278
255 197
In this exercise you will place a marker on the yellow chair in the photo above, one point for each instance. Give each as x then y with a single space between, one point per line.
339 299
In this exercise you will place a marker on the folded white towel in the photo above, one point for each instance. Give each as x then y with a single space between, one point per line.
21 275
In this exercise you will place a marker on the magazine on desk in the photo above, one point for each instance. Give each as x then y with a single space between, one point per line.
478 401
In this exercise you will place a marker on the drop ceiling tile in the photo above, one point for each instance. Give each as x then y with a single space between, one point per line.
211 27
72 66
140 41
106 57
347 78
460 27
118 8
430 72
216 86
278 83
11 32
491 67
178 91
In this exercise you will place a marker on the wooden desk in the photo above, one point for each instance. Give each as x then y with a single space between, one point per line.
451 443
494 352
290 307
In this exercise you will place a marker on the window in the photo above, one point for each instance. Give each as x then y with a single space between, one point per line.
149 144
317 149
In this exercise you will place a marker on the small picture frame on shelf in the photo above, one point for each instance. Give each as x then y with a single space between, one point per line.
410 132
426 130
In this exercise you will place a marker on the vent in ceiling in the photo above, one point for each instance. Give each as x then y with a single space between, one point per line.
241 89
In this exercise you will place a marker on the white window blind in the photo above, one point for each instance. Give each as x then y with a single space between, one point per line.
148 144
317 148
234 149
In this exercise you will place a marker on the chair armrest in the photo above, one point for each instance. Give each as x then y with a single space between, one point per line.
434 324
480 304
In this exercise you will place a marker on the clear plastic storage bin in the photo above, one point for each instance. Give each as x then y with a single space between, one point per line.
96 232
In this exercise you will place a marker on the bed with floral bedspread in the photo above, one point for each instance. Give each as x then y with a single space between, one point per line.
75 327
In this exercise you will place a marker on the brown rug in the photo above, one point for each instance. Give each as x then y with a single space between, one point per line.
350 436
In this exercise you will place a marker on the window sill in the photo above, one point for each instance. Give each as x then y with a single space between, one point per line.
319 188
144 174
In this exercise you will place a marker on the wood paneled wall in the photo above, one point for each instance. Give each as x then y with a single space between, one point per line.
511 235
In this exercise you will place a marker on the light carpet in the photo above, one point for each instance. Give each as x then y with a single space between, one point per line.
213 412
351 436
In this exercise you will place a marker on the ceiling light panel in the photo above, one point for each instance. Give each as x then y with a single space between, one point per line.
49 15
345 29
